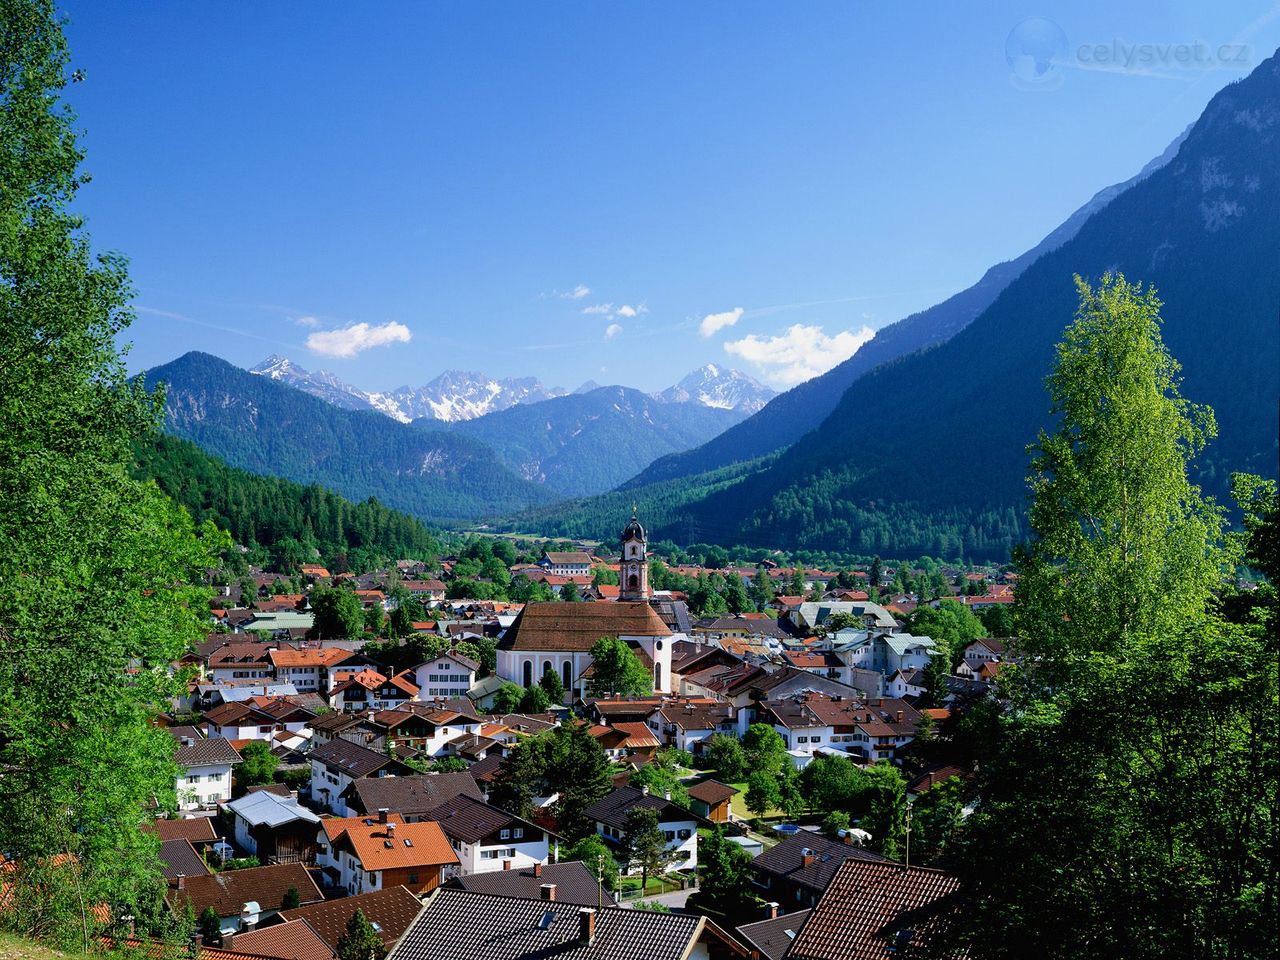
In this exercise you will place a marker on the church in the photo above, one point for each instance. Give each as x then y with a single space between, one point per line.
560 635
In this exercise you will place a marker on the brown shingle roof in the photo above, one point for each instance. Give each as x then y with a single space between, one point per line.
229 891
294 940
392 910
410 796
194 829
206 753
876 911
179 858
786 859
577 626
773 937
712 792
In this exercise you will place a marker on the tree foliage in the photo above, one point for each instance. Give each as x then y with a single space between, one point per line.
617 670
95 566
1127 794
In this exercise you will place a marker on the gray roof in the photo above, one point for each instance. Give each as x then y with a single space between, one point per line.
470 820
773 937
207 753
787 859
612 809
456 925
814 613
574 883
349 758
268 809
409 796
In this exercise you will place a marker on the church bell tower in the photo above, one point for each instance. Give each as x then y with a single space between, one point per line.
634 569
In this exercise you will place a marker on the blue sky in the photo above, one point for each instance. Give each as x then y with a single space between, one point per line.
569 190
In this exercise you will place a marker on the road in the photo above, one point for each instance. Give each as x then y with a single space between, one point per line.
673 901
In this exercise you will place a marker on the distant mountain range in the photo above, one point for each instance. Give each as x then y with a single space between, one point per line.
916 445
266 426
457 395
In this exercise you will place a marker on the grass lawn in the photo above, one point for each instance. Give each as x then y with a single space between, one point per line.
739 804
15 948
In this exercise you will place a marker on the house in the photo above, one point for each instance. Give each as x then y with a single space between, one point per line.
370 690
275 829
868 729
679 826
244 898
205 780
457 925
906 683
688 726
824 663
364 854
712 799
336 764
560 636
623 740
390 911
448 675
570 883
811 615
307 669
411 797
487 838
240 661
980 652
257 718
198 831
885 653
573 563
429 727
879 910
795 872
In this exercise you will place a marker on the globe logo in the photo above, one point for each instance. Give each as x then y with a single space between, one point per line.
1035 50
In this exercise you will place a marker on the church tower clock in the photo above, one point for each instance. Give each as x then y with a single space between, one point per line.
634 569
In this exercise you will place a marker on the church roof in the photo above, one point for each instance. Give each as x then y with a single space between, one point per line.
633 530
577 626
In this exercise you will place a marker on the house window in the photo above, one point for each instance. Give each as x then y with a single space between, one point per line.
413 878
504 834
517 833
528 673
684 834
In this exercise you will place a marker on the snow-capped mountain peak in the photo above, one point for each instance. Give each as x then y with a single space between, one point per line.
714 386
454 395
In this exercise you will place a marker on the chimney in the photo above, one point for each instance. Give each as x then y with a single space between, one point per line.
548 891
773 909
645 789
226 940
182 881
391 830
807 858
537 870
506 864
666 794
586 925
900 716
382 814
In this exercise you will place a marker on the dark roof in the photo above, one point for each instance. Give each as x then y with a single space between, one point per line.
786 859
612 809
390 910
229 891
410 796
712 792
469 819
484 771
577 626
574 883
876 911
194 829
674 613
773 937
456 925
350 758
207 753
179 858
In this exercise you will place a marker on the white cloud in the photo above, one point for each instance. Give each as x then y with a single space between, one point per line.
629 311
600 309
801 352
612 330
357 338
577 293
307 322
718 321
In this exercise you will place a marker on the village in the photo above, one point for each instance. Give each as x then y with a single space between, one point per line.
763 784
